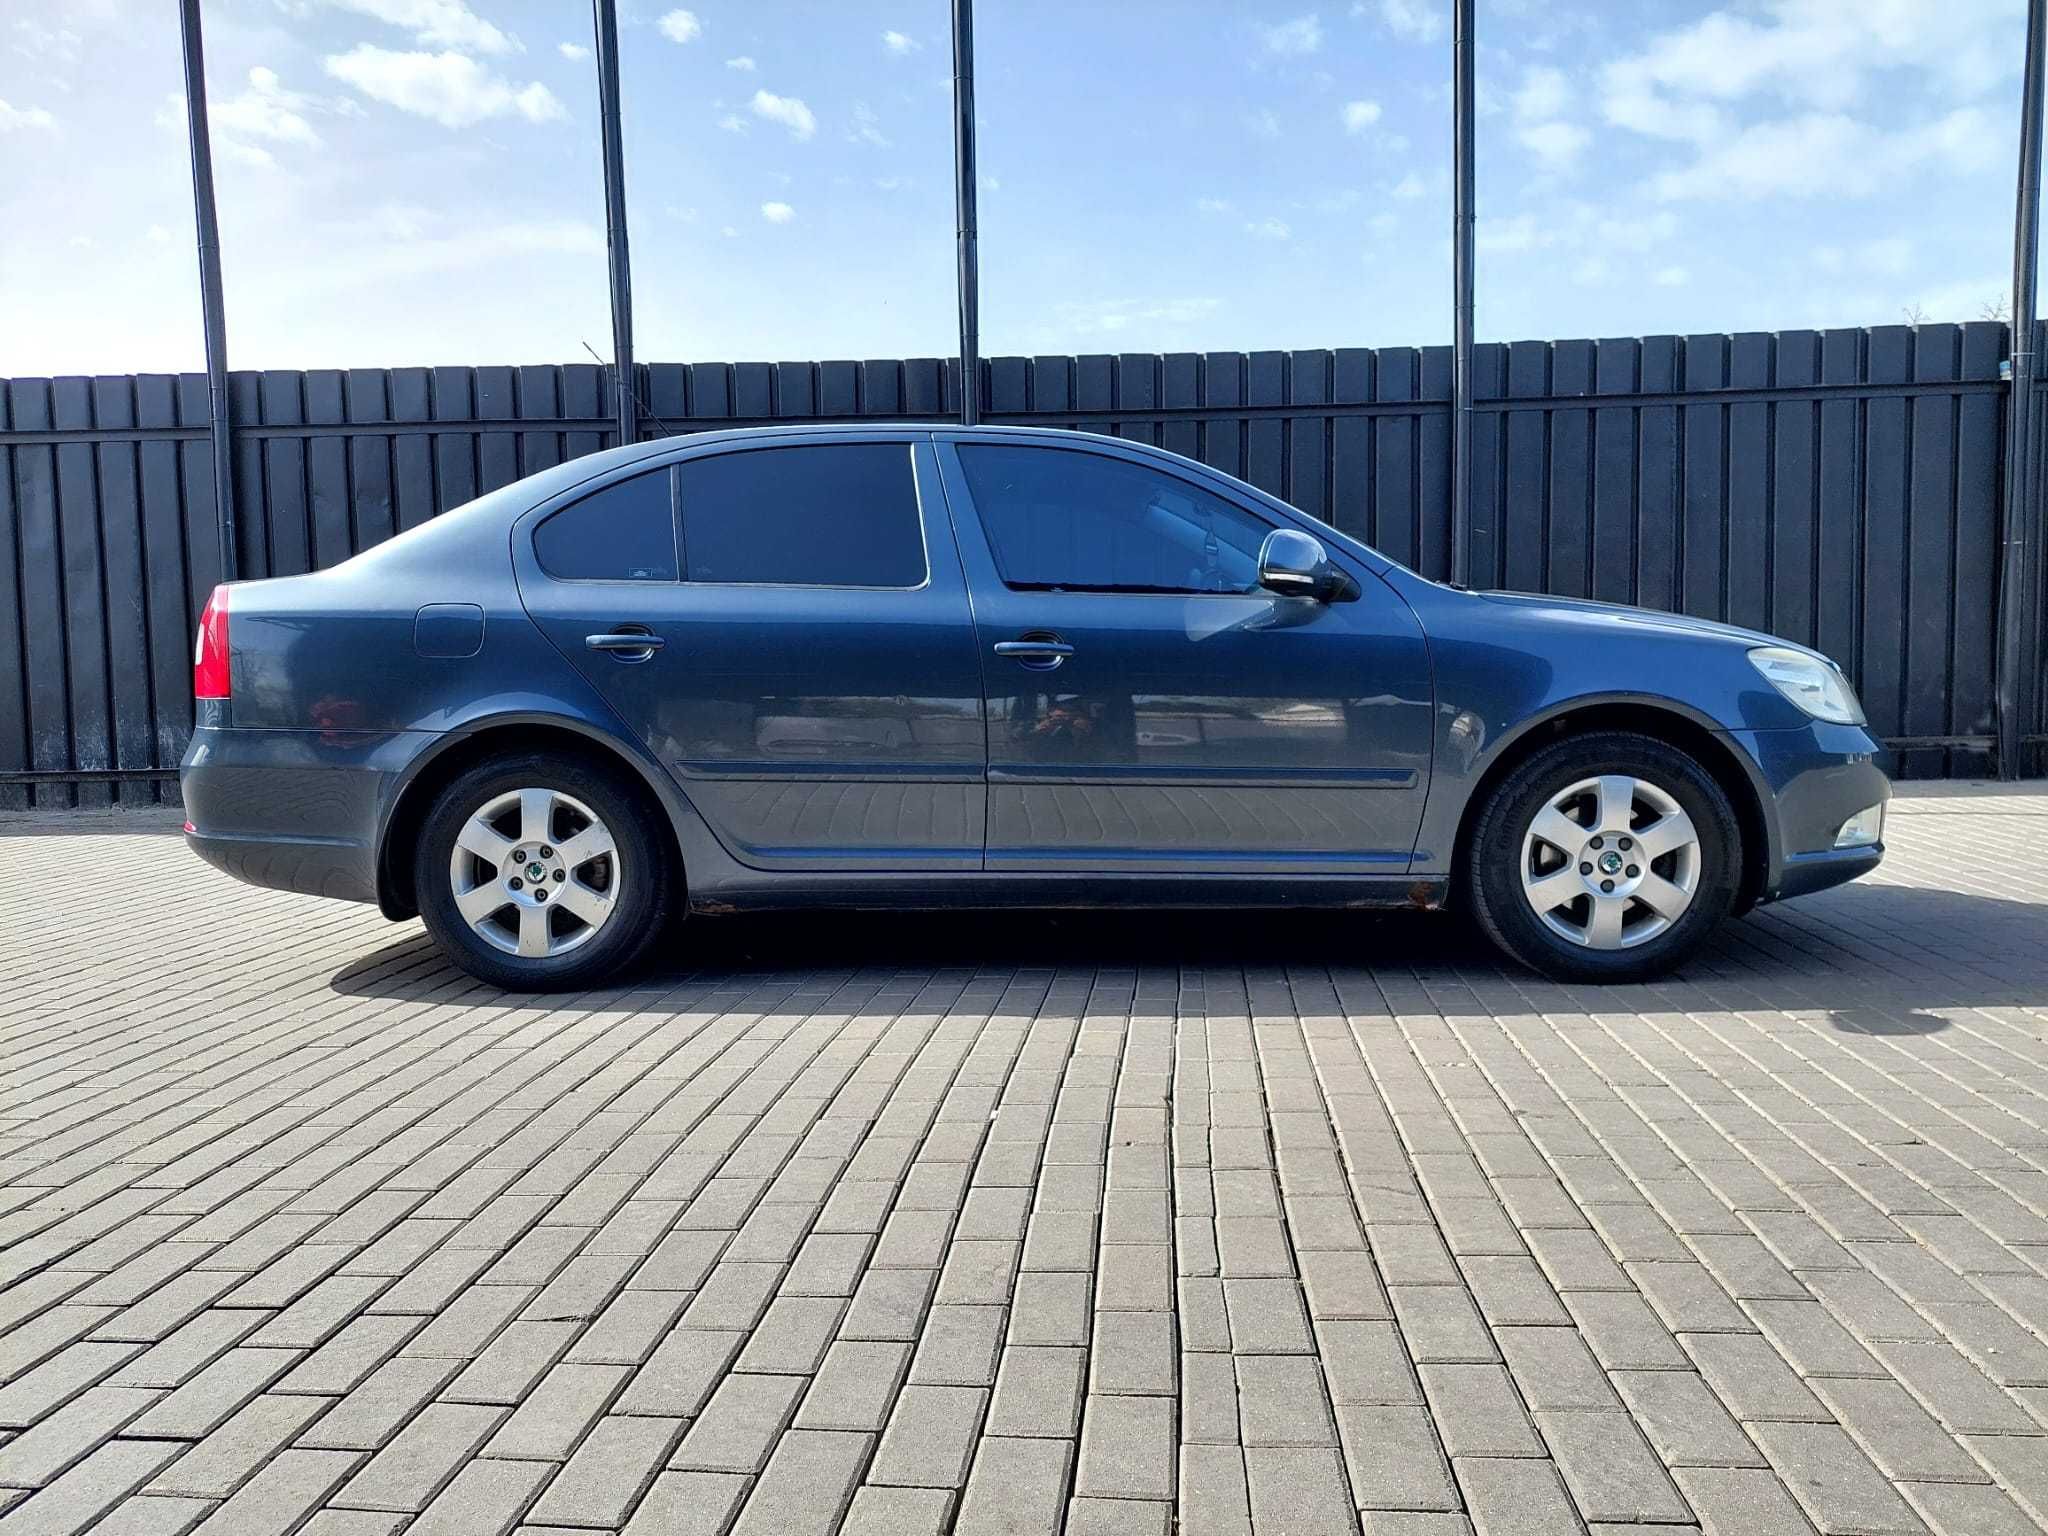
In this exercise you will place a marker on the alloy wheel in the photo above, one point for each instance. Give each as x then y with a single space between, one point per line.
1611 862
535 873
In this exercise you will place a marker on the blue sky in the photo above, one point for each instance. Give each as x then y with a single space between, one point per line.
416 181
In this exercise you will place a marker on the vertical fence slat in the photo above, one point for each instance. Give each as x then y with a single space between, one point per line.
375 514
1838 600
125 582
14 753
1308 385
1657 479
1351 445
165 562
1930 546
1614 473
1394 504
1794 427
412 453
1524 524
1569 556
1980 452
1749 485
329 497
1884 541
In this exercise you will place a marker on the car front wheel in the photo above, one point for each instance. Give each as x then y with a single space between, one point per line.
542 872
1604 857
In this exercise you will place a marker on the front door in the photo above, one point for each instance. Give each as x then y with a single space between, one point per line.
1150 706
786 627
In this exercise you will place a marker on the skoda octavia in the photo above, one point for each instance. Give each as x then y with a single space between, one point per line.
903 666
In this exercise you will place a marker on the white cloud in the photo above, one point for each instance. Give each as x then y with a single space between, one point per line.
572 51
450 88
777 213
786 110
1101 316
1814 56
680 26
1292 39
435 23
1557 145
1268 229
1829 154
1540 105
1212 205
417 241
732 122
13 118
744 63
1417 21
1671 277
1408 187
900 42
156 234
867 128
264 110
1262 124
1360 115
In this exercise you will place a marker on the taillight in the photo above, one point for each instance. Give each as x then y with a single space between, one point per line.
210 660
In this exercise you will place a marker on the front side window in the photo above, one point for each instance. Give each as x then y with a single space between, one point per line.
820 515
625 532
1062 520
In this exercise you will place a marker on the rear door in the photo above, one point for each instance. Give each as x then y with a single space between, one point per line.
799 652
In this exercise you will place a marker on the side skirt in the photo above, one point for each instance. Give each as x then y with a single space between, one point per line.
885 891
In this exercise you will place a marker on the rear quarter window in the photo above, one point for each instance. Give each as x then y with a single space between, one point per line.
821 515
625 532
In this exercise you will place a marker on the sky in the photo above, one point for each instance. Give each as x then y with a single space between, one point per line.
417 181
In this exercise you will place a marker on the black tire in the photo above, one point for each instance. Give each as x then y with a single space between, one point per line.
1491 862
642 868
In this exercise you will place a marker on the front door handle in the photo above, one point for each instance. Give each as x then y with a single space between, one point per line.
1040 652
626 644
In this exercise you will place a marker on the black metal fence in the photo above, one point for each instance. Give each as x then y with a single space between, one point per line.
1841 488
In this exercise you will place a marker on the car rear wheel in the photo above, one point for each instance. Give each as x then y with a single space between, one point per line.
541 872
1605 857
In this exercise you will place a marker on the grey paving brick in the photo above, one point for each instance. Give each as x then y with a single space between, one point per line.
1685 1421
1514 1495
1017 1487
688 1504
1611 1472
1553 1368
517 1358
33 1395
807 1486
793 1335
608 1472
855 1386
1118 1517
1477 1411
1440 1323
958 1347
1741 1501
1281 1401
878 1511
554 1415
889 1304
38 1454
1896 1432
1038 1392
1300 1489
629 1329
1836 1484
1215 1499
1133 1352
483 1499
217 1465
175 1359
739 1426
1968 1509
1752 1378
81 1499
370 1415
930 1438
279 1497
1051 1307
421 1458
1267 1317
1128 1448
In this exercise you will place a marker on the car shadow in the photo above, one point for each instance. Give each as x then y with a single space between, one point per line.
1868 959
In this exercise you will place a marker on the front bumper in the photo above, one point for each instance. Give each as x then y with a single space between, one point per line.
1818 777
293 810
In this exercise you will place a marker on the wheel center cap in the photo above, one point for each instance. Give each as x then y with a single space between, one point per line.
1610 863
534 872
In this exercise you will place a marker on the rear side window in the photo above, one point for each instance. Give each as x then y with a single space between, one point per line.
1061 520
825 515
625 532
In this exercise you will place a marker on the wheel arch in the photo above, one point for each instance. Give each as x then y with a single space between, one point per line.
1739 779
459 751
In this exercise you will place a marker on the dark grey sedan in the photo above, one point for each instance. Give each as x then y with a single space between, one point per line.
905 666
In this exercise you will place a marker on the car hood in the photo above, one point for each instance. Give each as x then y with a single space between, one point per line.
1583 613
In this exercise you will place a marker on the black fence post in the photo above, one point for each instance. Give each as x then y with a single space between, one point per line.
606 19
211 306
963 201
2019 570
1462 185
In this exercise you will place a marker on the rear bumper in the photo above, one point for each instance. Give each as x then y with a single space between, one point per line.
293 810
1819 776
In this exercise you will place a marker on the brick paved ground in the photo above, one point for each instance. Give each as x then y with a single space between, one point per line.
920 1224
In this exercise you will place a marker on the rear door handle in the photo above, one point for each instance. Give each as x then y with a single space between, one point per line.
629 644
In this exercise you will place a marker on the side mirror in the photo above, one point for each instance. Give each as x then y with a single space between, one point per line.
1295 564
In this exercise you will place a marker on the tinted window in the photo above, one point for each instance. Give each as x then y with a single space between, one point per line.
828 515
1064 520
625 532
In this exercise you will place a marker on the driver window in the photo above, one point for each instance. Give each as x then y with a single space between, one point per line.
1062 520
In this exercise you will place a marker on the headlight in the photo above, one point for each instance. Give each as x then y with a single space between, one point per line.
1816 686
